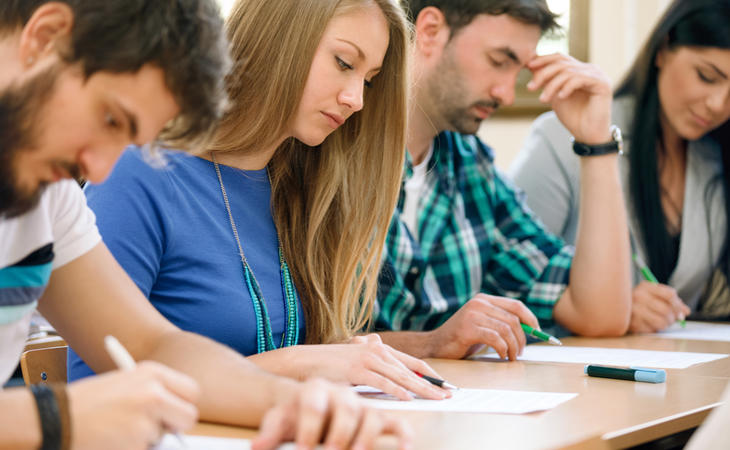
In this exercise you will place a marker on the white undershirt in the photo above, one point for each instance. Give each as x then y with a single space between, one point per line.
413 189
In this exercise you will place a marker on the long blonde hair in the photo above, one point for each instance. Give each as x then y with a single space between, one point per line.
332 204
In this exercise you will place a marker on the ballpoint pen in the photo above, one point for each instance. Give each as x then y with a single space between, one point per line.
540 335
435 381
124 361
648 276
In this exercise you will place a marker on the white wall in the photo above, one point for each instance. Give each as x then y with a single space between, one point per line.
617 32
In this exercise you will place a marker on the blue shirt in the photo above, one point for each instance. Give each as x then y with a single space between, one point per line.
169 229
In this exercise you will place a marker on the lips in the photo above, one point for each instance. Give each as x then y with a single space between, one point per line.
335 120
482 112
701 121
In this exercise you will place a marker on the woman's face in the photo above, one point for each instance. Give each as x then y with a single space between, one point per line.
349 55
694 89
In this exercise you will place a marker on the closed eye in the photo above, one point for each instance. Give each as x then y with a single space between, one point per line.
497 64
704 77
343 65
111 121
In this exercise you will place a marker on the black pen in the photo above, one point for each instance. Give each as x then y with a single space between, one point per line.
440 383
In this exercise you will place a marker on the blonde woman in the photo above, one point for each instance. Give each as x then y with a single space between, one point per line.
271 239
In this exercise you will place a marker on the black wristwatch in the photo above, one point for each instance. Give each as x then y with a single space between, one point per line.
615 146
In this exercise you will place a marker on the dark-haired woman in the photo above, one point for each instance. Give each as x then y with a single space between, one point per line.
674 107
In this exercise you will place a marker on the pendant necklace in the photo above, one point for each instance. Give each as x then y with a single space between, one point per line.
264 335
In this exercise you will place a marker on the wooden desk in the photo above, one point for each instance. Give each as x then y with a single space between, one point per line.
622 413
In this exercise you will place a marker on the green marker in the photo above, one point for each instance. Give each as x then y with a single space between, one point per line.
540 335
648 276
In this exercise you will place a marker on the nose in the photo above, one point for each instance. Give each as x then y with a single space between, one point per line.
97 163
504 90
352 93
718 102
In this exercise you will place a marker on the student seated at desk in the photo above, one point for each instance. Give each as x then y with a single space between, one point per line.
462 239
79 81
674 106
271 239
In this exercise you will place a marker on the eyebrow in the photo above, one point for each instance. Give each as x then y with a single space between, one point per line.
360 53
717 69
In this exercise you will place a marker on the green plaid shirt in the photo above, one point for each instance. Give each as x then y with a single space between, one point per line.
475 234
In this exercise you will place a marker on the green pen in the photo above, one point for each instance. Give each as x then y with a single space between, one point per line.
648 276
540 335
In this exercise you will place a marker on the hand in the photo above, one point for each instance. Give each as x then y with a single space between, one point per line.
131 409
483 320
579 93
375 364
655 307
335 411
366 360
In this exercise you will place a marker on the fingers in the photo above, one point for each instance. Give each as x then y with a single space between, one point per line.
312 413
171 394
394 372
506 316
494 340
176 382
276 427
374 424
386 370
322 408
561 75
346 417
658 305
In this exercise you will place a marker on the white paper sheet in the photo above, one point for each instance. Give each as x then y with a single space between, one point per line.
170 442
612 356
700 331
471 400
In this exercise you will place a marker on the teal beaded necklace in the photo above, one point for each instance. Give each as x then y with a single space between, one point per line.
264 336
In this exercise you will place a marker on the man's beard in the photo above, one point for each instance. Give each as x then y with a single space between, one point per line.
448 89
19 113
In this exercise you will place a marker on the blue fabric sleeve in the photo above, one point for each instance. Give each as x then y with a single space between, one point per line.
140 198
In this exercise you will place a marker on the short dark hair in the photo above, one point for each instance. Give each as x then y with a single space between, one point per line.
184 38
460 13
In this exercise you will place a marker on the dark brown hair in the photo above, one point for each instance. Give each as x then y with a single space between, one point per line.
184 38
460 13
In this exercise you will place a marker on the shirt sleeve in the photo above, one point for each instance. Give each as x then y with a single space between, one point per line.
541 172
74 224
394 300
527 261
131 217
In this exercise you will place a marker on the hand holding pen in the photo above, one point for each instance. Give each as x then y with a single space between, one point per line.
655 306
173 392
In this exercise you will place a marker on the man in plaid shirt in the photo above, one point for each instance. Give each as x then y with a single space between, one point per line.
462 239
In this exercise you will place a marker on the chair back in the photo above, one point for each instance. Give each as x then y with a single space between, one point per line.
44 365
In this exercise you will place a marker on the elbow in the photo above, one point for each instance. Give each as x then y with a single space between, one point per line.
607 328
606 317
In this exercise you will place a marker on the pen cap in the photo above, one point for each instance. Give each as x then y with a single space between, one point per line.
650 375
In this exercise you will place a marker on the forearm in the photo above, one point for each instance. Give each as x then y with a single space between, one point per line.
19 424
414 343
233 389
600 279
298 362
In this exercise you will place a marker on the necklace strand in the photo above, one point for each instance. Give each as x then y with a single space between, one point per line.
264 335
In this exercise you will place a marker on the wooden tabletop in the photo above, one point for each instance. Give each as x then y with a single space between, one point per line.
606 413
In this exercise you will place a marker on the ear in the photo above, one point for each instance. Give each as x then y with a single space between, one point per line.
47 30
432 31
